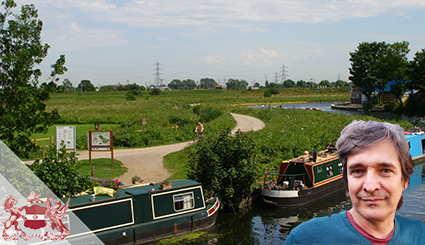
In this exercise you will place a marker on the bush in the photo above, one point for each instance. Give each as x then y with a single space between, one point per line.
274 91
155 91
224 164
197 110
130 96
208 114
59 173
267 93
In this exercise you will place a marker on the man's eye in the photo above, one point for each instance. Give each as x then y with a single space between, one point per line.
356 171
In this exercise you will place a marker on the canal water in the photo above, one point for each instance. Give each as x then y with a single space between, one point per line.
260 225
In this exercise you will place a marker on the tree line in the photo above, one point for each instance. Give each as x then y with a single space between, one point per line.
375 64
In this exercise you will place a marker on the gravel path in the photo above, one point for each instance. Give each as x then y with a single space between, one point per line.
148 161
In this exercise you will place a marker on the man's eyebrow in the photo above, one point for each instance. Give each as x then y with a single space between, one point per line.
355 165
381 164
386 165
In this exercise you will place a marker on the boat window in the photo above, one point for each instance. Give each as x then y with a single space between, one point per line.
340 167
329 170
319 169
183 202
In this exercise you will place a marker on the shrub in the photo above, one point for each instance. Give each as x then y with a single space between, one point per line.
130 96
59 173
274 91
197 110
208 114
225 165
267 93
155 91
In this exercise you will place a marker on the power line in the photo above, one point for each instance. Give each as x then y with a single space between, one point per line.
284 71
157 73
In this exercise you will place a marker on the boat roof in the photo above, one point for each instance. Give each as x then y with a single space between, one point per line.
127 192
411 136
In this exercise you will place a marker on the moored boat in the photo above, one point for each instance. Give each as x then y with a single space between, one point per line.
145 213
416 140
304 179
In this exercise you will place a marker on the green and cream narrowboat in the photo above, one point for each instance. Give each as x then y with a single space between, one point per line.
304 179
145 213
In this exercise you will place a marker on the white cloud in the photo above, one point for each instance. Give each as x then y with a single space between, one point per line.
219 13
74 36
260 56
214 59
254 30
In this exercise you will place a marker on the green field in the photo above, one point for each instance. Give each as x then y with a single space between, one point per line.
170 117
288 133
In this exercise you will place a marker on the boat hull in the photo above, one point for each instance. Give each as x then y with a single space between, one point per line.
144 233
143 214
291 198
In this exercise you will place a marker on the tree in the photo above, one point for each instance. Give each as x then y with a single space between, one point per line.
86 86
302 84
341 84
289 83
189 84
207 83
67 85
364 68
256 85
22 110
376 64
107 88
225 165
175 84
394 68
325 83
235 83
416 102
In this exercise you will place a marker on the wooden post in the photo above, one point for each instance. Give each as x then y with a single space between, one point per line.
92 171
35 141
51 140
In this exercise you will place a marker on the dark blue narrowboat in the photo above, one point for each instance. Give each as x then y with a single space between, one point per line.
145 213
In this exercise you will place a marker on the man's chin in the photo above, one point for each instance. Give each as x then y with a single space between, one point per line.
373 213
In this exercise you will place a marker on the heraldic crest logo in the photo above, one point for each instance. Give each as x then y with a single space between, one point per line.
35 217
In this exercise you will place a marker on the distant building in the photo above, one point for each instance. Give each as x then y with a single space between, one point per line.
218 86
387 96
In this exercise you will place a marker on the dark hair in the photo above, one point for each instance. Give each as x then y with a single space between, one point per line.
360 135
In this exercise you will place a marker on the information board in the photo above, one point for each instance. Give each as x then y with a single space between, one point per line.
66 135
101 141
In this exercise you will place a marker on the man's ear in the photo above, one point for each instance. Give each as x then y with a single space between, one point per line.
406 184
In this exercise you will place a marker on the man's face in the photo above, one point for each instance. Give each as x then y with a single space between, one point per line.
375 182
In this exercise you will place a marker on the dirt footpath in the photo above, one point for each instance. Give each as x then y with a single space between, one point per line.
148 161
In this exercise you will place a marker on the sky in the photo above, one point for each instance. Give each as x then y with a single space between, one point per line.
130 41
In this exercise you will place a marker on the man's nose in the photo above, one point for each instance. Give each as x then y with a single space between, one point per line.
371 182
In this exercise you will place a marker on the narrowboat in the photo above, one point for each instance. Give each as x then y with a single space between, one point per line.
304 179
416 141
144 213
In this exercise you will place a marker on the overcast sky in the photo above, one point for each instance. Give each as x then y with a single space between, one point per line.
108 42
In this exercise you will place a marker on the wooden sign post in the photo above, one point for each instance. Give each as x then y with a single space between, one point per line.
101 141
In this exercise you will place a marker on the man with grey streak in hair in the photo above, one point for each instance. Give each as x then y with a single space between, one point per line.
376 170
